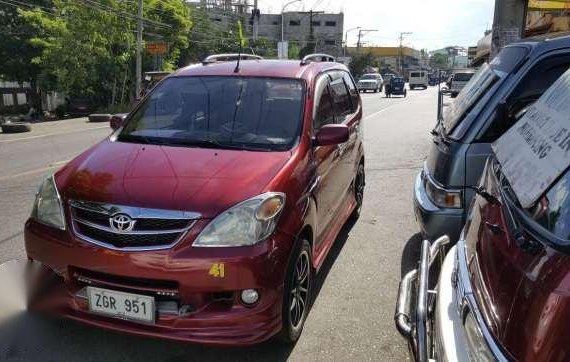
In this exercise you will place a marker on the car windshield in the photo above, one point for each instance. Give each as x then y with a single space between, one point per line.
368 76
469 95
220 112
462 77
416 74
480 82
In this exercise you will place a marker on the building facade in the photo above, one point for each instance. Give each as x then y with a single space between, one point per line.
392 59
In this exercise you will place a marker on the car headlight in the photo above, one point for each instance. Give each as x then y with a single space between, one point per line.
478 349
246 223
47 206
442 197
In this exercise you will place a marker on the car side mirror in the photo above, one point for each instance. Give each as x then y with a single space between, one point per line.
117 120
331 134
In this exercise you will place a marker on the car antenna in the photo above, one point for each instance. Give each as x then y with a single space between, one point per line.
241 41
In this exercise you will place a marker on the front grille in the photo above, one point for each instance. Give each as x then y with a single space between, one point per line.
147 228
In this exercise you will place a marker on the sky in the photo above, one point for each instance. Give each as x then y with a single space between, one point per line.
434 24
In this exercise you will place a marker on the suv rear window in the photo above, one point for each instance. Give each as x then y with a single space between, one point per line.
224 112
415 74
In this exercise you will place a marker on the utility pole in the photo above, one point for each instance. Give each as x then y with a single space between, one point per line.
400 65
312 30
255 20
139 50
361 33
508 23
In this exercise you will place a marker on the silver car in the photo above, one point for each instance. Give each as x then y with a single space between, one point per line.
371 81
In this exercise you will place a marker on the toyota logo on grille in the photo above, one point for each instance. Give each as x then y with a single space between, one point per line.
121 223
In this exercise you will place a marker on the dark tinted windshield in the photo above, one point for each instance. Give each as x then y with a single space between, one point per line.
417 74
220 112
369 76
462 77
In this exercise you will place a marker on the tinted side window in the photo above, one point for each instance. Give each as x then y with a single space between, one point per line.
554 210
324 111
341 99
531 87
352 90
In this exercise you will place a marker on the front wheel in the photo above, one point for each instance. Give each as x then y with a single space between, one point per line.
297 293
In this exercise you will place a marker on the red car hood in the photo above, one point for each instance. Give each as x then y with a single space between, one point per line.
202 180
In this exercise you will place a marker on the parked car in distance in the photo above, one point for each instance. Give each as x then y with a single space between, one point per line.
206 214
397 86
488 106
81 106
458 81
371 81
418 79
503 290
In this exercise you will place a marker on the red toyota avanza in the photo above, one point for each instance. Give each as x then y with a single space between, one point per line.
503 292
206 213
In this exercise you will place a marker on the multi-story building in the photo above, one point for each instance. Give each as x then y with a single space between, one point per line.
326 30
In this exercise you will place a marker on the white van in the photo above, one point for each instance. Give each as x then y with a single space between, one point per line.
419 79
459 79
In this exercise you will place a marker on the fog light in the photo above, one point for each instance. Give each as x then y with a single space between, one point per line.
249 296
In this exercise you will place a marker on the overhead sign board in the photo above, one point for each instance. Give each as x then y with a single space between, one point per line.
156 48
536 150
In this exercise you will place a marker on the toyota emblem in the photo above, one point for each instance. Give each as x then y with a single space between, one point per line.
121 223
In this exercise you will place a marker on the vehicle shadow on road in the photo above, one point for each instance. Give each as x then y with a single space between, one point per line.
411 254
33 337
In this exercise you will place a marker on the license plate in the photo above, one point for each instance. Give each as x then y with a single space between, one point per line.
121 305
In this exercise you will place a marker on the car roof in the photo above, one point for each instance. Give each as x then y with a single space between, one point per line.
544 43
261 68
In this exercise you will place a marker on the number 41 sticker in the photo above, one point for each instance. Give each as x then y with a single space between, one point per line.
217 270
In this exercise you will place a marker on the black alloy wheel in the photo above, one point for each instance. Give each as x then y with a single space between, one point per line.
297 293
359 183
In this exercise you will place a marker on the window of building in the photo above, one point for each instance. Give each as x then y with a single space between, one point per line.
275 23
7 99
294 22
330 42
316 23
330 23
21 98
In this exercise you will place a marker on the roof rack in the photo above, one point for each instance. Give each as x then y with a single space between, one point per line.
229 57
317 57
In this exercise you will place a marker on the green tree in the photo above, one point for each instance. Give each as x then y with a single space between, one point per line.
16 50
88 47
439 61
359 62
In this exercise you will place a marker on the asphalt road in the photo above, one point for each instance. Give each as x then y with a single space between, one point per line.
352 317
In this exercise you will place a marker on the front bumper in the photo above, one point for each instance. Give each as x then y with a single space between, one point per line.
208 309
432 219
436 331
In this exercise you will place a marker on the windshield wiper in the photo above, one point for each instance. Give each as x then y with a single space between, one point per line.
212 143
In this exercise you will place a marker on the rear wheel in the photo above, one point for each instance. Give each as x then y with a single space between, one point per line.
359 183
297 292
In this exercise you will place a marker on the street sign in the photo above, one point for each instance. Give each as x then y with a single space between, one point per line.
156 48
283 50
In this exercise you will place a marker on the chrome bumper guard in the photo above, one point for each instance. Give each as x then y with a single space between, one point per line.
415 330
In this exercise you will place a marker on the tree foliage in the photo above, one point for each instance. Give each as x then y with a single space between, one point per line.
88 47
439 61
359 63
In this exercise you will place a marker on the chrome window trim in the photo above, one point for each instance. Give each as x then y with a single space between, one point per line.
135 213
469 302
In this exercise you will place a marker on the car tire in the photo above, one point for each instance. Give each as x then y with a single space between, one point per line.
16 127
297 292
359 184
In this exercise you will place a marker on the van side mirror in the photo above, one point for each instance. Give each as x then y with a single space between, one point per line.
117 120
331 134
